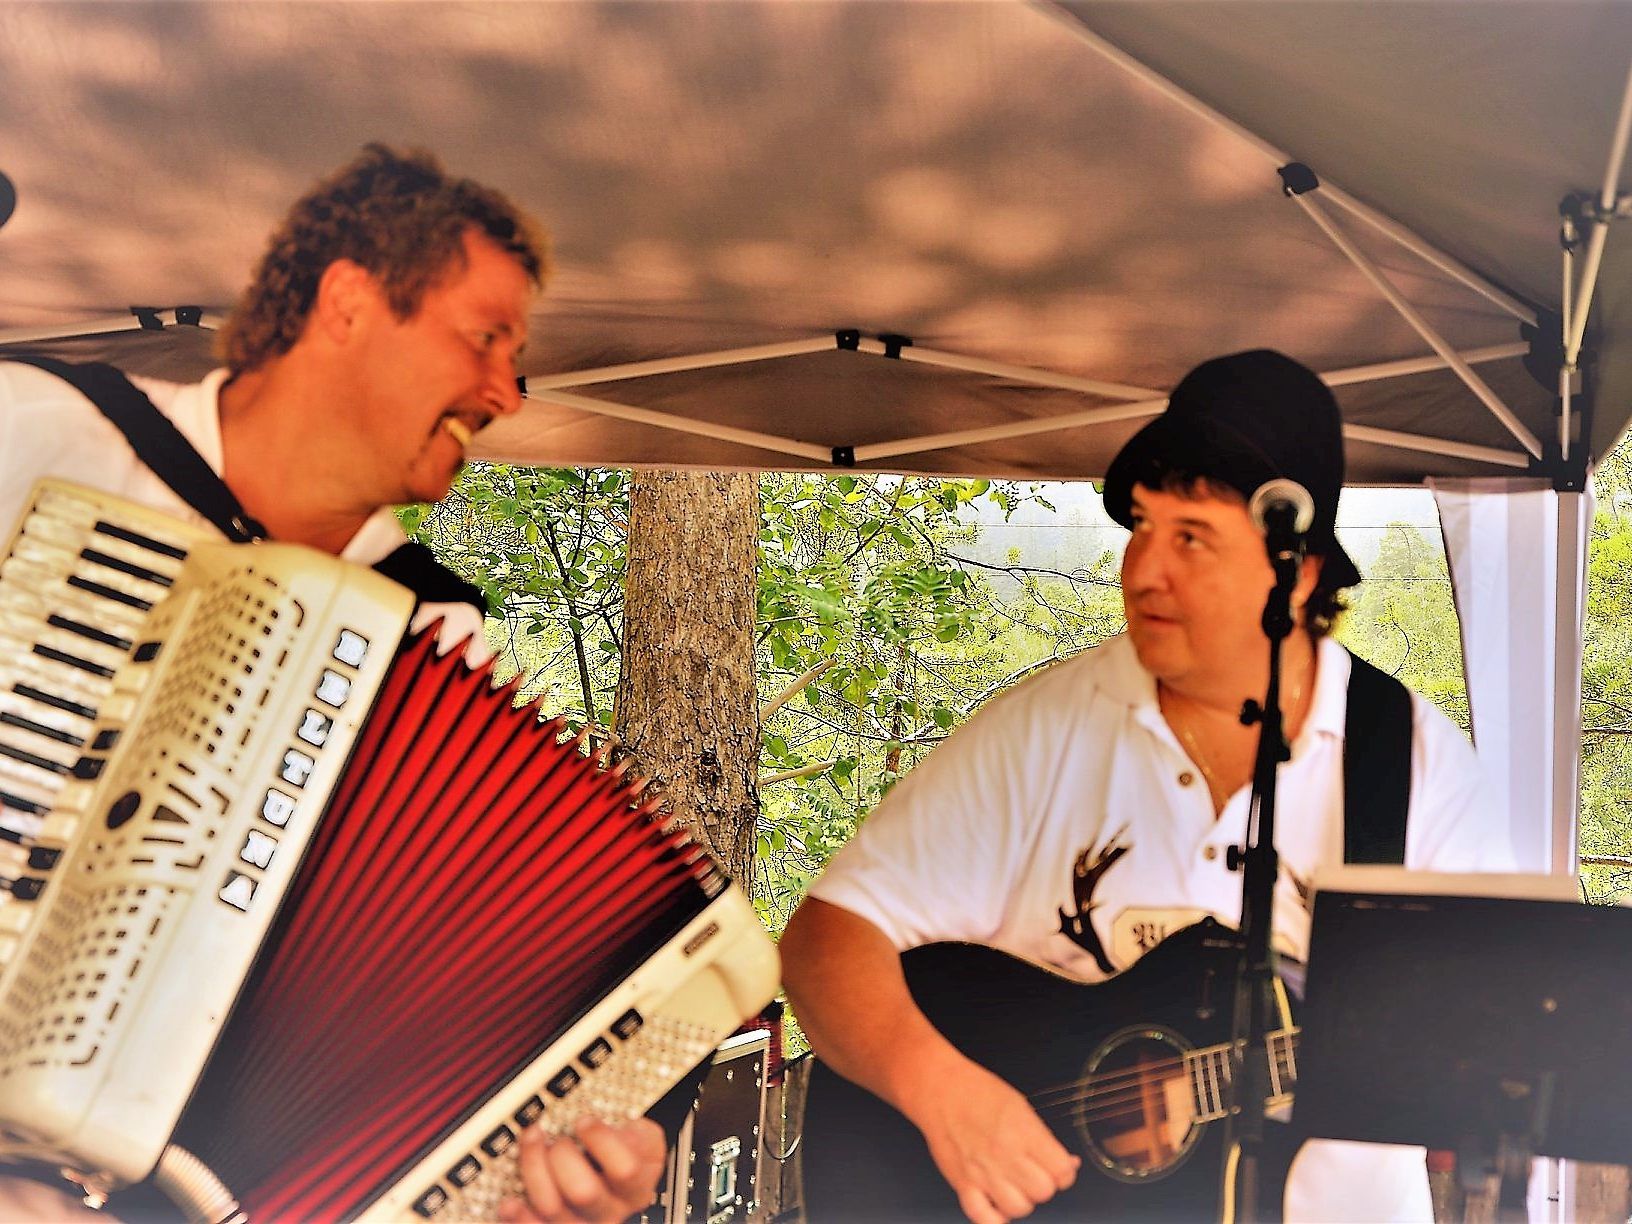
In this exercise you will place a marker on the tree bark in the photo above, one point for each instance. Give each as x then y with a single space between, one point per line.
687 704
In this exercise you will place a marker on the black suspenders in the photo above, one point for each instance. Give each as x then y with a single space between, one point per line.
163 448
1376 766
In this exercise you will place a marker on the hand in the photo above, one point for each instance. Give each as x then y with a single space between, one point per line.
22 1198
601 1175
990 1145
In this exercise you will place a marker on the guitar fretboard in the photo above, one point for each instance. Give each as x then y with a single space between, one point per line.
1209 1073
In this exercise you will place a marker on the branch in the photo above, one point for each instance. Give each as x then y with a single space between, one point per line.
1082 576
794 689
895 504
803 772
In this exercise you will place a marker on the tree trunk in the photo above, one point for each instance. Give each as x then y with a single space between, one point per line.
687 705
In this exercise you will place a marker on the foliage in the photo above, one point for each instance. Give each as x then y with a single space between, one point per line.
1606 684
882 625
1402 618
866 578
546 545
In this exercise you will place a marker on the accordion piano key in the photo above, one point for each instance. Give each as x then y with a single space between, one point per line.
118 985
75 588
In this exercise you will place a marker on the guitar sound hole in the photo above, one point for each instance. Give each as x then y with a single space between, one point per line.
1138 1115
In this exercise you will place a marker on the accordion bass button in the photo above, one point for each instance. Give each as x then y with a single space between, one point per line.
563 1082
431 1202
499 1142
531 1112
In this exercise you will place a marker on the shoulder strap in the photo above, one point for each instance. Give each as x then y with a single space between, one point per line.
414 566
1376 766
157 443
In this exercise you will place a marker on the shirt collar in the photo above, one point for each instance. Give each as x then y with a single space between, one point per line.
1329 707
1126 680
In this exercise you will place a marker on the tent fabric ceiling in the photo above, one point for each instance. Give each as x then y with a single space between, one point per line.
729 173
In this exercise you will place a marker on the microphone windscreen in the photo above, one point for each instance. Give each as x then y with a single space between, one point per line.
1286 495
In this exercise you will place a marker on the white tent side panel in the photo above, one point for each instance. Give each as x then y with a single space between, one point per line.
1517 554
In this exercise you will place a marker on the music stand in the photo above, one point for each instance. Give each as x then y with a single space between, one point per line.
1498 1028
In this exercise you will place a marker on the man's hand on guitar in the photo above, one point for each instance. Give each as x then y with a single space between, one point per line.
600 1175
989 1143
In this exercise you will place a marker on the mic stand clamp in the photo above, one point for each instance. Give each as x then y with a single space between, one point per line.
1259 865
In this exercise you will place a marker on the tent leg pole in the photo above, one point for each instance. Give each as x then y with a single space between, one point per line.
1574 517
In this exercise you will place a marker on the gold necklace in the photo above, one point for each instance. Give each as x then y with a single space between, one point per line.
1194 751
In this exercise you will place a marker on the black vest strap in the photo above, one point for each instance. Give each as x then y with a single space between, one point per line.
1376 766
159 444
414 566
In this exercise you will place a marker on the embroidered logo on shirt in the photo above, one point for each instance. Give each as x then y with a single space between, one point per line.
1086 873
1302 886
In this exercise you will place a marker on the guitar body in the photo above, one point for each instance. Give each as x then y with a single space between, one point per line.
1105 1063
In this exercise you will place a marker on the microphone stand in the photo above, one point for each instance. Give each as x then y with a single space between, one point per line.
1259 865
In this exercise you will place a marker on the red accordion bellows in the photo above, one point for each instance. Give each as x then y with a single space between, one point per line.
475 886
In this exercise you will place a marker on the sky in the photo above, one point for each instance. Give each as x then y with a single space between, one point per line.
1081 530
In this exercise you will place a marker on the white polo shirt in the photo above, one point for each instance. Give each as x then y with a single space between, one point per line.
47 428
1064 823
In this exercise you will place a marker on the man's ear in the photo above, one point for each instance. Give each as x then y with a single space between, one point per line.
345 292
1308 579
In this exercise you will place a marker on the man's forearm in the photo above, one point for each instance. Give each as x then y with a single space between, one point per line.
844 979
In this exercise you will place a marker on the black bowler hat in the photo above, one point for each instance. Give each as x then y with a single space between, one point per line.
1244 420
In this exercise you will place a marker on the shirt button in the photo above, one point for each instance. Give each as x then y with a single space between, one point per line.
1209 853
1186 778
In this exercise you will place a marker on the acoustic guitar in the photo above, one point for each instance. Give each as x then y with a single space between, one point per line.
1131 1074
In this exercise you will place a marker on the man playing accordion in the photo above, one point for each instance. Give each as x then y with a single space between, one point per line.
379 333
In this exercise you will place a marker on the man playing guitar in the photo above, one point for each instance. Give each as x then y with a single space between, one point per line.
1084 816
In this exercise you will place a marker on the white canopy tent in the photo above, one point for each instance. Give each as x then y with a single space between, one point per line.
972 238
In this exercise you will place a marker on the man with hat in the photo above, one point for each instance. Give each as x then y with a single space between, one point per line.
1085 815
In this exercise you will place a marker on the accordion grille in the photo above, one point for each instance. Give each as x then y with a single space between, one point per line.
475 885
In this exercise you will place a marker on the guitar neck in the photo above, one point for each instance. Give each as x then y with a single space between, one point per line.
1209 1073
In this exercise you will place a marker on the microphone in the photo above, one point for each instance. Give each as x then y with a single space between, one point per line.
1284 511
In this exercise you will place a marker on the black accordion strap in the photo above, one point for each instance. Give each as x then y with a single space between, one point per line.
1376 766
157 443
414 566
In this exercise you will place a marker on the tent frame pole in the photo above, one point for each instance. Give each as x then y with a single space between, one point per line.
1381 222
809 451
109 324
1608 209
545 389
1420 325
1104 414
540 383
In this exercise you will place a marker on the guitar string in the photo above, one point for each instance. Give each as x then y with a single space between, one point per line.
1281 1045
1088 1117
1089 1087
1284 1059
1100 1098
1080 1092
1131 1104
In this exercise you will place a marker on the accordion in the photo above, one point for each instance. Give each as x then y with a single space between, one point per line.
301 917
